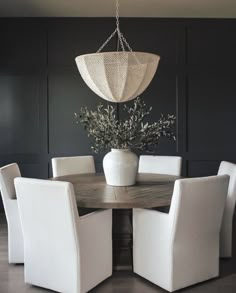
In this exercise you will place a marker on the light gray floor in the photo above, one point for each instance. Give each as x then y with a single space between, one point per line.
12 277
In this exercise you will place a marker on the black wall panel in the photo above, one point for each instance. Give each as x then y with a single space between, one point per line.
210 113
211 43
66 136
202 168
23 44
19 112
68 38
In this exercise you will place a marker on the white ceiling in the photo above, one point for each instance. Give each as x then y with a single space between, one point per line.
128 8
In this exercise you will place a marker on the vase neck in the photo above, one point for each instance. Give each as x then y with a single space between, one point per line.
120 150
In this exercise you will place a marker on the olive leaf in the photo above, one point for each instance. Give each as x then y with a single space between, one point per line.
106 131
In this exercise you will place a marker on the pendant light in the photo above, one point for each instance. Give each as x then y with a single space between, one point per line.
118 76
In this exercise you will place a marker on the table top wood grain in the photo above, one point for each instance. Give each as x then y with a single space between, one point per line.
150 190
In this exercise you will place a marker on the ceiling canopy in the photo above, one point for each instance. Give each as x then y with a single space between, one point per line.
129 8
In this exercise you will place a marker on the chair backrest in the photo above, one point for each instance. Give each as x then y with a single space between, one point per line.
170 165
229 169
197 208
49 220
7 175
72 165
227 222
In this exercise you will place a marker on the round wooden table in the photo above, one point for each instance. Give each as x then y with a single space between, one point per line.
150 190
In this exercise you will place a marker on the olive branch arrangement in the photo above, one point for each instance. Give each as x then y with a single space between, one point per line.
134 132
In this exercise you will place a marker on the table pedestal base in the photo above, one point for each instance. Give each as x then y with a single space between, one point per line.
122 240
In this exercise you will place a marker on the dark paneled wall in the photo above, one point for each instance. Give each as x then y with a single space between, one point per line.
40 88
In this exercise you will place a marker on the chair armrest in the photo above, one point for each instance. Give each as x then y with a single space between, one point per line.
12 209
147 213
152 224
96 225
95 241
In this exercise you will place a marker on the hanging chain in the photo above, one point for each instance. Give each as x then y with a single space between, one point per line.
109 38
126 43
121 39
117 14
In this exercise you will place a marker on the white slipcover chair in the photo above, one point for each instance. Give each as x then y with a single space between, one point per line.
15 236
181 248
226 228
170 165
72 165
63 252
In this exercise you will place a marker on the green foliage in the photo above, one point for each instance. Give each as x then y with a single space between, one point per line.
106 131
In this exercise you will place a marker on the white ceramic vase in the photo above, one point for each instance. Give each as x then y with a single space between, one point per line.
120 167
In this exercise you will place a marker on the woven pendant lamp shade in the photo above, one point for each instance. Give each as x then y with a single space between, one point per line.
118 76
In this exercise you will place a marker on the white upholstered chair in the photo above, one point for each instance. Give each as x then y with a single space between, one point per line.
170 165
226 228
72 165
15 237
63 252
181 248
